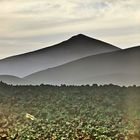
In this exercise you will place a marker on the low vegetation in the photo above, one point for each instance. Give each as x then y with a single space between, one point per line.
47 112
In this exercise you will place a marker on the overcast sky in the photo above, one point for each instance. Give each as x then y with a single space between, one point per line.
27 25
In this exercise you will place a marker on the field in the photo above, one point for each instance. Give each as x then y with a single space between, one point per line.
47 112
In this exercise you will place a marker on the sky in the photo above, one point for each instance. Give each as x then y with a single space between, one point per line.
27 25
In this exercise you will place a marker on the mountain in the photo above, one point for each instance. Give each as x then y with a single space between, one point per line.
121 67
76 47
11 79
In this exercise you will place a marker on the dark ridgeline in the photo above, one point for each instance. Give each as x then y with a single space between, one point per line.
120 67
77 61
76 47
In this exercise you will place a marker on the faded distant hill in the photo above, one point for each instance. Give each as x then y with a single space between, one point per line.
121 67
76 47
11 79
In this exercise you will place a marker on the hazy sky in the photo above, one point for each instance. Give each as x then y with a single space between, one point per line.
27 25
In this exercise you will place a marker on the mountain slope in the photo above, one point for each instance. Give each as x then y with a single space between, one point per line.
77 47
120 67
11 79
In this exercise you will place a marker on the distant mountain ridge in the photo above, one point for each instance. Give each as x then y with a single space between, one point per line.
121 67
9 79
77 61
76 47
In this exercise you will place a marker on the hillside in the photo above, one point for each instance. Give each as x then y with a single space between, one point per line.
120 67
76 47
11 79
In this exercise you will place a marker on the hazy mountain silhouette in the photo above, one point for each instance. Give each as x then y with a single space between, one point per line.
11 79
121 67
76 47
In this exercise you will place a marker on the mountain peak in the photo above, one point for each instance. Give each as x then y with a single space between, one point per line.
79 36
76 47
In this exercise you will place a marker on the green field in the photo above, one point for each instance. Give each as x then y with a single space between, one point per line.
47 112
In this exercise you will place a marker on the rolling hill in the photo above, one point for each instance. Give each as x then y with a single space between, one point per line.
76 47
11 79
121 67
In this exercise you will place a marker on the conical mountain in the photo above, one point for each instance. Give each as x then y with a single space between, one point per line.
76 47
